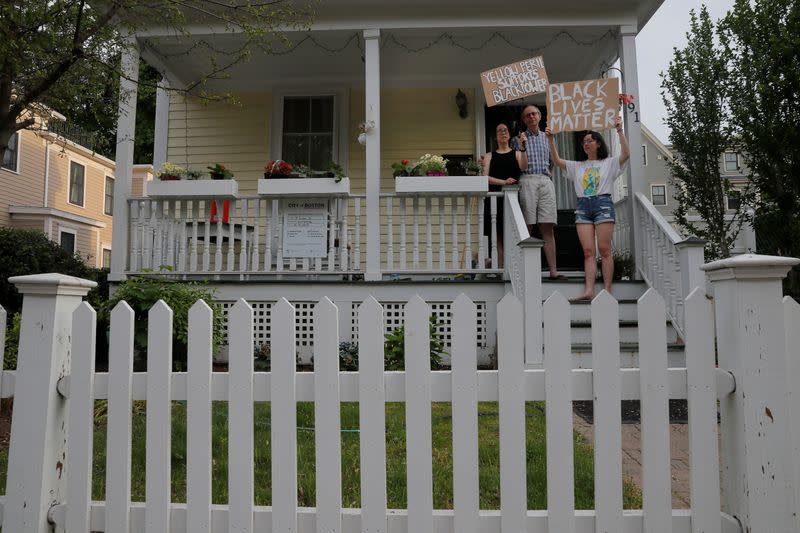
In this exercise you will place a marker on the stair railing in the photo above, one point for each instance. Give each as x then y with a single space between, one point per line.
666 261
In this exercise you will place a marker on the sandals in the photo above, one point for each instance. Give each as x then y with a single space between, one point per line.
558 277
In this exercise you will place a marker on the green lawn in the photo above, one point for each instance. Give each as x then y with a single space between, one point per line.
489 457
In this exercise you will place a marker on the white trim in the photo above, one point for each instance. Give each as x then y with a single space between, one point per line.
665 194
106 177
72 231
103 247
19 149
78 149
22 212
341 118
725 162
69 183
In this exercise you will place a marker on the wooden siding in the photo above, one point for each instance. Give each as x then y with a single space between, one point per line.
235 135
414 122
26 186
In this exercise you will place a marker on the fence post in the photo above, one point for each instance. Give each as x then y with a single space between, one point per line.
38 428
532 299
691 254
755 423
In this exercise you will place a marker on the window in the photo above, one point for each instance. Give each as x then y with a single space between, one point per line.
644 154
106 258
308 126
108 206
658 194
76 183
67 241
734 199
731 162
10 157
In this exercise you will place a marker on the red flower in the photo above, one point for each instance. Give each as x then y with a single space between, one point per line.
404 161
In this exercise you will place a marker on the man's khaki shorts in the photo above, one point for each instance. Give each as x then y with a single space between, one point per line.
537 198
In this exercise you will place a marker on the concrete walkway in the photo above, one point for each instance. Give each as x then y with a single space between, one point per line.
632 457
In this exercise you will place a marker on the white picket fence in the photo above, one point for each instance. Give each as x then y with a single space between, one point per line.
50 467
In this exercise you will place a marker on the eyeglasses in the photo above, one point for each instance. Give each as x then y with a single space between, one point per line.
502 130
531 114
589 141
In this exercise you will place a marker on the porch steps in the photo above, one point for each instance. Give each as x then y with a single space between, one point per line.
627 293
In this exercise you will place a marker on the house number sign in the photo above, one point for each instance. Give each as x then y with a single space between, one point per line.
305 223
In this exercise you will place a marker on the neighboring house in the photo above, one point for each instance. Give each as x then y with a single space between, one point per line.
660 186
66 190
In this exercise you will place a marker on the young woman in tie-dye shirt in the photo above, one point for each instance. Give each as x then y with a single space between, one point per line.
594 177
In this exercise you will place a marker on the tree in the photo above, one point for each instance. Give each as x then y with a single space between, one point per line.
695 91
61 54
762 38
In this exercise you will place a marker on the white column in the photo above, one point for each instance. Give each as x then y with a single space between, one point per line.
755 426
161 125
126 129
634 179
373 120
532 303
36 470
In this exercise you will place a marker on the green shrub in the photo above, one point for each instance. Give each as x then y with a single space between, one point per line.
12 342
142 293
24 251
394 347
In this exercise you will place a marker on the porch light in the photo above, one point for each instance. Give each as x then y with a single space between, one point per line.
461 103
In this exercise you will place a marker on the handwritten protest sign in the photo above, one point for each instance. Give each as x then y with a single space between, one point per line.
514 81
582 105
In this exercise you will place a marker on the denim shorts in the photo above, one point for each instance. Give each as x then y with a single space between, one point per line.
595 210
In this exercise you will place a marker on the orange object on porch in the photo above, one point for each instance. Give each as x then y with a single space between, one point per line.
226 204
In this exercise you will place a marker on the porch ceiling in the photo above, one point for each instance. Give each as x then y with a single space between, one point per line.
423 57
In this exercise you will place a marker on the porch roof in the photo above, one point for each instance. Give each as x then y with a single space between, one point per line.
422 45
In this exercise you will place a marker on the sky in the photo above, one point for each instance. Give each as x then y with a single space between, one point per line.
654 50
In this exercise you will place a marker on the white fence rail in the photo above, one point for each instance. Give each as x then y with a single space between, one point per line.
50 463
419 233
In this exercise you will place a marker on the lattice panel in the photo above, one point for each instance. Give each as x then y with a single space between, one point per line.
393 317
394 314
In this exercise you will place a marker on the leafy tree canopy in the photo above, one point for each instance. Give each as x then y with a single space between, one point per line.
695 90
64 54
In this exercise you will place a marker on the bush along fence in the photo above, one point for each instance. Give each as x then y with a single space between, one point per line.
755 381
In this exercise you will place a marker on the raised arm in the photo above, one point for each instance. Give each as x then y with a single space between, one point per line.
560 163
625 152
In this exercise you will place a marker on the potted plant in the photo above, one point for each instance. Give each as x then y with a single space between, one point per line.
277 168
403 168
219 172
171 172
336 171
432 165
193 174
303 171
471 168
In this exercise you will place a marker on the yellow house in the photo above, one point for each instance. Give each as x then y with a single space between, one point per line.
52 184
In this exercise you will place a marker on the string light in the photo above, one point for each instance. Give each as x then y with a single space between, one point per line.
391 39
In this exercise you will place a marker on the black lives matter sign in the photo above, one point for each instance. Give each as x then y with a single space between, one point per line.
583 105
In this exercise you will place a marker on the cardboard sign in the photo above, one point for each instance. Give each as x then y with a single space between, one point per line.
305 227
583 105
514 81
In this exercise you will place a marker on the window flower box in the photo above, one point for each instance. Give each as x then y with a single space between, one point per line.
304 186
441 184
191 189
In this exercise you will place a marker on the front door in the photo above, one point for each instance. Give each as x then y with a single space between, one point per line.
568 250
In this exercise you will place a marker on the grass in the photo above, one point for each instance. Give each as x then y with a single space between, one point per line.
489 457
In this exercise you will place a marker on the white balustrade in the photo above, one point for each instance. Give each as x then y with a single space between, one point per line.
243 236
668 263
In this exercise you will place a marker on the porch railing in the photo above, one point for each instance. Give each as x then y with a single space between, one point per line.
433 234
666 261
